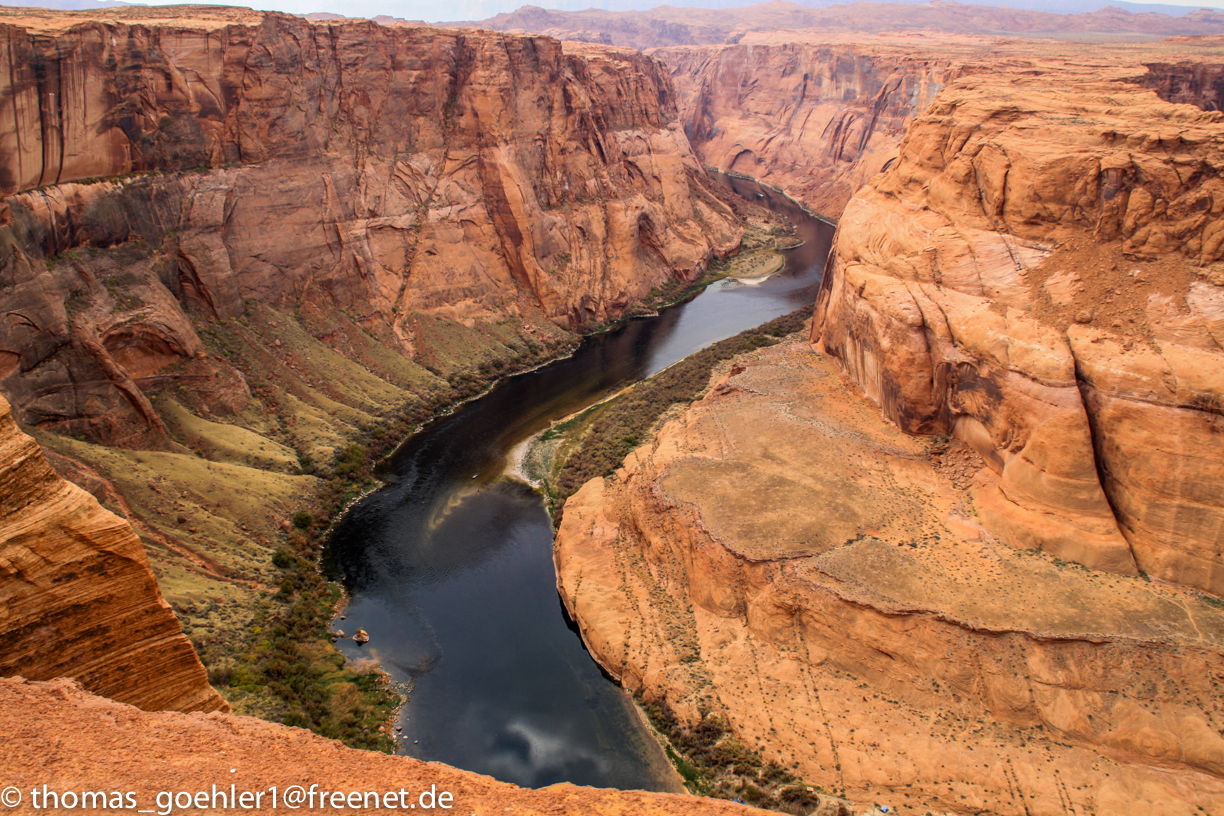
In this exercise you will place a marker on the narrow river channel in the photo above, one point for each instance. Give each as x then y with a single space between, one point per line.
450 566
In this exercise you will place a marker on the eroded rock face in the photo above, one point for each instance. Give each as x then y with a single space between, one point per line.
1190 82
783 558
380 173
77 594
1040 276
815 120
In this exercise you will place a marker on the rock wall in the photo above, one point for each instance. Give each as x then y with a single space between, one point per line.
1039 275
78 597
815 120
370 172
1191 82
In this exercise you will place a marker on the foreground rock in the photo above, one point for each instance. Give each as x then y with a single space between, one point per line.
69 740
1040 276
77 596
783 559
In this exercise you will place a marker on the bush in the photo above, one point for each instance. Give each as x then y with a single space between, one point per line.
713 762
282 559
303 520
350 461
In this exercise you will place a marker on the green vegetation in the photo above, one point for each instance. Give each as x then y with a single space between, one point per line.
281 664
349 461
625 423
714 762
288 658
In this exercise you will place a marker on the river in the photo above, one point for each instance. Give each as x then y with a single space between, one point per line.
450 566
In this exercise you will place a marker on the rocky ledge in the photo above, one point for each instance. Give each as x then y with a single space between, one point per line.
97 744
1040 276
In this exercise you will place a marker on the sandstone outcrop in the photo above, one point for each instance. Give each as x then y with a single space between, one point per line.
78 597
816 120
69 740
1039 275
783 558
370 174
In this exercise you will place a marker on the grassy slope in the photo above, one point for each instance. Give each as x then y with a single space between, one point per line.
235 518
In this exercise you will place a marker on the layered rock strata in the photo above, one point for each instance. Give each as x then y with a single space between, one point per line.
374 174
100 745
816 120
1040 276
783 558
78 598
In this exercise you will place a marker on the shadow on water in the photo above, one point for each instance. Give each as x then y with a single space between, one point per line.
450 568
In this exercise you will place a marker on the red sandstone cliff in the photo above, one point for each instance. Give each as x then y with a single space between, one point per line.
375 174
816 120
233 243
780 557
1039 275
77 594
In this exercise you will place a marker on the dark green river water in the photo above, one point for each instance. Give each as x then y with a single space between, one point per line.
452 576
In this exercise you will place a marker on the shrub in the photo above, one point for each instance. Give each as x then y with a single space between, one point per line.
349 461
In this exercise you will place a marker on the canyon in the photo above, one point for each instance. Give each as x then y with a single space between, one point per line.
954 547
243 251
814 119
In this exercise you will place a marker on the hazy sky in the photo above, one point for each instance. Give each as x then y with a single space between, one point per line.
440 10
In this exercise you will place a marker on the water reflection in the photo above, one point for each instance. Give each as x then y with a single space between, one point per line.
451 573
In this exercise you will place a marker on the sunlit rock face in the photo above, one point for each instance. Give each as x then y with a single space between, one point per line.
1017 342
78 597
782 558
1039 275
